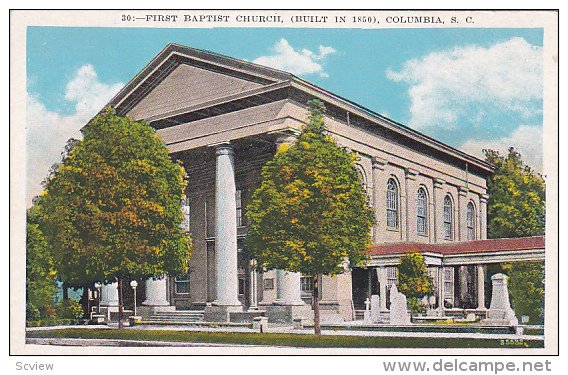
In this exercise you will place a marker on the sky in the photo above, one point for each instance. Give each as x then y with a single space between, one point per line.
469 88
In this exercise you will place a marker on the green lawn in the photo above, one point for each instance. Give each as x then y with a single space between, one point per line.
278 339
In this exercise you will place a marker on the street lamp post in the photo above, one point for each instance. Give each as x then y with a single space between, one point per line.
134 284
98 287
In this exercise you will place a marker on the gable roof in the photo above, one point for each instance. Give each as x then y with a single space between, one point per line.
174 55
458 248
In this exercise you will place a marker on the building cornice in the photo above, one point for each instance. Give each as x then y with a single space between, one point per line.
174 54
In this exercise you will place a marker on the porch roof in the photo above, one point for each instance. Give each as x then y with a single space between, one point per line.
497 245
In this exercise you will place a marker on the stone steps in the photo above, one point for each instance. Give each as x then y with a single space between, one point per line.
182 316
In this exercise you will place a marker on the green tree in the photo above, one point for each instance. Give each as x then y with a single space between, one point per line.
414 281
516 206
41 285
526 285
310 213
112 208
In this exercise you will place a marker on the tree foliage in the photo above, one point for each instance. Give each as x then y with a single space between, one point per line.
69 309
41 285
112 208
516 206
413 279
526 285
310 212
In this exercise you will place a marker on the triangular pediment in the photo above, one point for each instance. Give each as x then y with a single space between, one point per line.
188 86
181 77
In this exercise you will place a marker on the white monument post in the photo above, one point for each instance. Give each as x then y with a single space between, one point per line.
398 308
375 309
500 311
367 313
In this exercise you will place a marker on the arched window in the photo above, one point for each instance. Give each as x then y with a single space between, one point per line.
421 211
470 221
448 218
392 204
362 177
186 209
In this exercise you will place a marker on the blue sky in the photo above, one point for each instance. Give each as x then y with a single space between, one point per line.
470 88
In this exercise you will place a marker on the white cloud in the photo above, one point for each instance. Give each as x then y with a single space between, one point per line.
526 139
302 62
48 131
446 88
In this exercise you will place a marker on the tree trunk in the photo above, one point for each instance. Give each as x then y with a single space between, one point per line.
65 288
317 326
84 301
120 304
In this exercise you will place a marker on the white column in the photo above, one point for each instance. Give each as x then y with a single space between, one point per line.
382 278
226 228
463 274
481 287
441 288
253 286
109 294
292 295
156 292
288 288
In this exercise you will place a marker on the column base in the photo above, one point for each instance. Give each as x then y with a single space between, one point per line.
286 303
286 313
220 313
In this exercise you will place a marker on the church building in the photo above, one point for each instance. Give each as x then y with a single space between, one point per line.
224 118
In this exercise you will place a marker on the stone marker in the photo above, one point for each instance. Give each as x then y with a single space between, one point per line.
367 314
260 323
375 308
398 308
500 311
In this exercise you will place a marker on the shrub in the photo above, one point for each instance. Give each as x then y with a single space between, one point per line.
48 312
526 286
32 312
69 309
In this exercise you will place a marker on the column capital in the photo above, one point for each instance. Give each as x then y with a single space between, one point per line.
439 182
379 163
411 174
285 137
463 191
483 198
223 148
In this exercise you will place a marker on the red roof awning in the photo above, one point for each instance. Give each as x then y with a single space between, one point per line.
456 248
